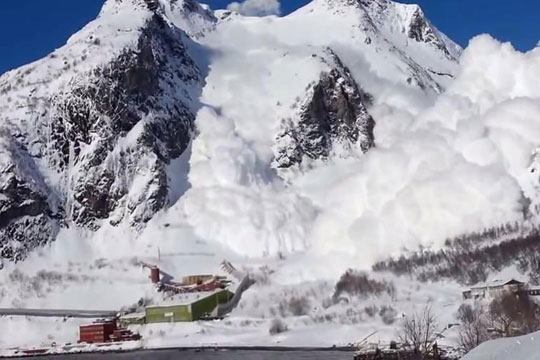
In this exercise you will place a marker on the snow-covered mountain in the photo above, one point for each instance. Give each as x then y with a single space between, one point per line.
90 132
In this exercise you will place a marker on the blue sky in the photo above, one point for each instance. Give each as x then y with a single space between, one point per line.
30 29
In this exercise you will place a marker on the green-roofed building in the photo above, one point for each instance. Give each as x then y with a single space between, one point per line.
184 307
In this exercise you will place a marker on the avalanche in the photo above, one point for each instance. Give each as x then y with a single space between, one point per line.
237 197
442 165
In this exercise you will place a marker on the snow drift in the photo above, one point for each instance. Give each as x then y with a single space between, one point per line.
518 348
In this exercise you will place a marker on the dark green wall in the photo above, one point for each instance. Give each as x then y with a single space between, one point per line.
157 314
207 305
193 312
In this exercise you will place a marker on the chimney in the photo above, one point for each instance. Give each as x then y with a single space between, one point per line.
154 274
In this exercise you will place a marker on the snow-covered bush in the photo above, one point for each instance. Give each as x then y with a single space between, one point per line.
43 282
277 326
359 284
371 310
298 306
388 314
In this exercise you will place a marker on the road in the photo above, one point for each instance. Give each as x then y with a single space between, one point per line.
174 354
89 314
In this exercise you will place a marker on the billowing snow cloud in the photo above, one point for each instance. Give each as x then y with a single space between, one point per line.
256 7
460 165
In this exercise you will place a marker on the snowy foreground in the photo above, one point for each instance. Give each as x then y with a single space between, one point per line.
520 348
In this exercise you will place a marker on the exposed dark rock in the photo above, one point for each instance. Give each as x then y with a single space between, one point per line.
96 113
152 4
420 30
334 115
27 210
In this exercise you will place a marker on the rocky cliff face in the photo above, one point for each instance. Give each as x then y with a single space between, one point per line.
421 30
105 136
332 118
403 30
127 98
27 209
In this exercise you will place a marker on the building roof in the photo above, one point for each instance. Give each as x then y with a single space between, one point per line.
136 315
497 283
186 298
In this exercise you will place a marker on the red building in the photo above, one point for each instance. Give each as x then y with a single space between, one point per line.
98 332
106 331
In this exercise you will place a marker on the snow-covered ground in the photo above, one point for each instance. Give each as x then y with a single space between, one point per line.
90 281
518 348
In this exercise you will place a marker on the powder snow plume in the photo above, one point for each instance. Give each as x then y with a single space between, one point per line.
460 165
256 7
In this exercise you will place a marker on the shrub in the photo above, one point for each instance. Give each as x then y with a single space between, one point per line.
277 326
299 306
388 315
359 284
371 310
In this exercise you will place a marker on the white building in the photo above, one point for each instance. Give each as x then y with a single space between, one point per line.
494 288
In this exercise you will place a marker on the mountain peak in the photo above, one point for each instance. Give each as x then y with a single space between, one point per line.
115 6
403 25
188 15
355 3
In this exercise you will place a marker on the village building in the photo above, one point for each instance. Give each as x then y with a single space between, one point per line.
188 307
496 287
534 291
182 308
196 297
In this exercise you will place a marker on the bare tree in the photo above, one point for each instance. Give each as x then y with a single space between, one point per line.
417 332
474 326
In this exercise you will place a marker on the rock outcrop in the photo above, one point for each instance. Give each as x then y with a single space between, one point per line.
333 119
